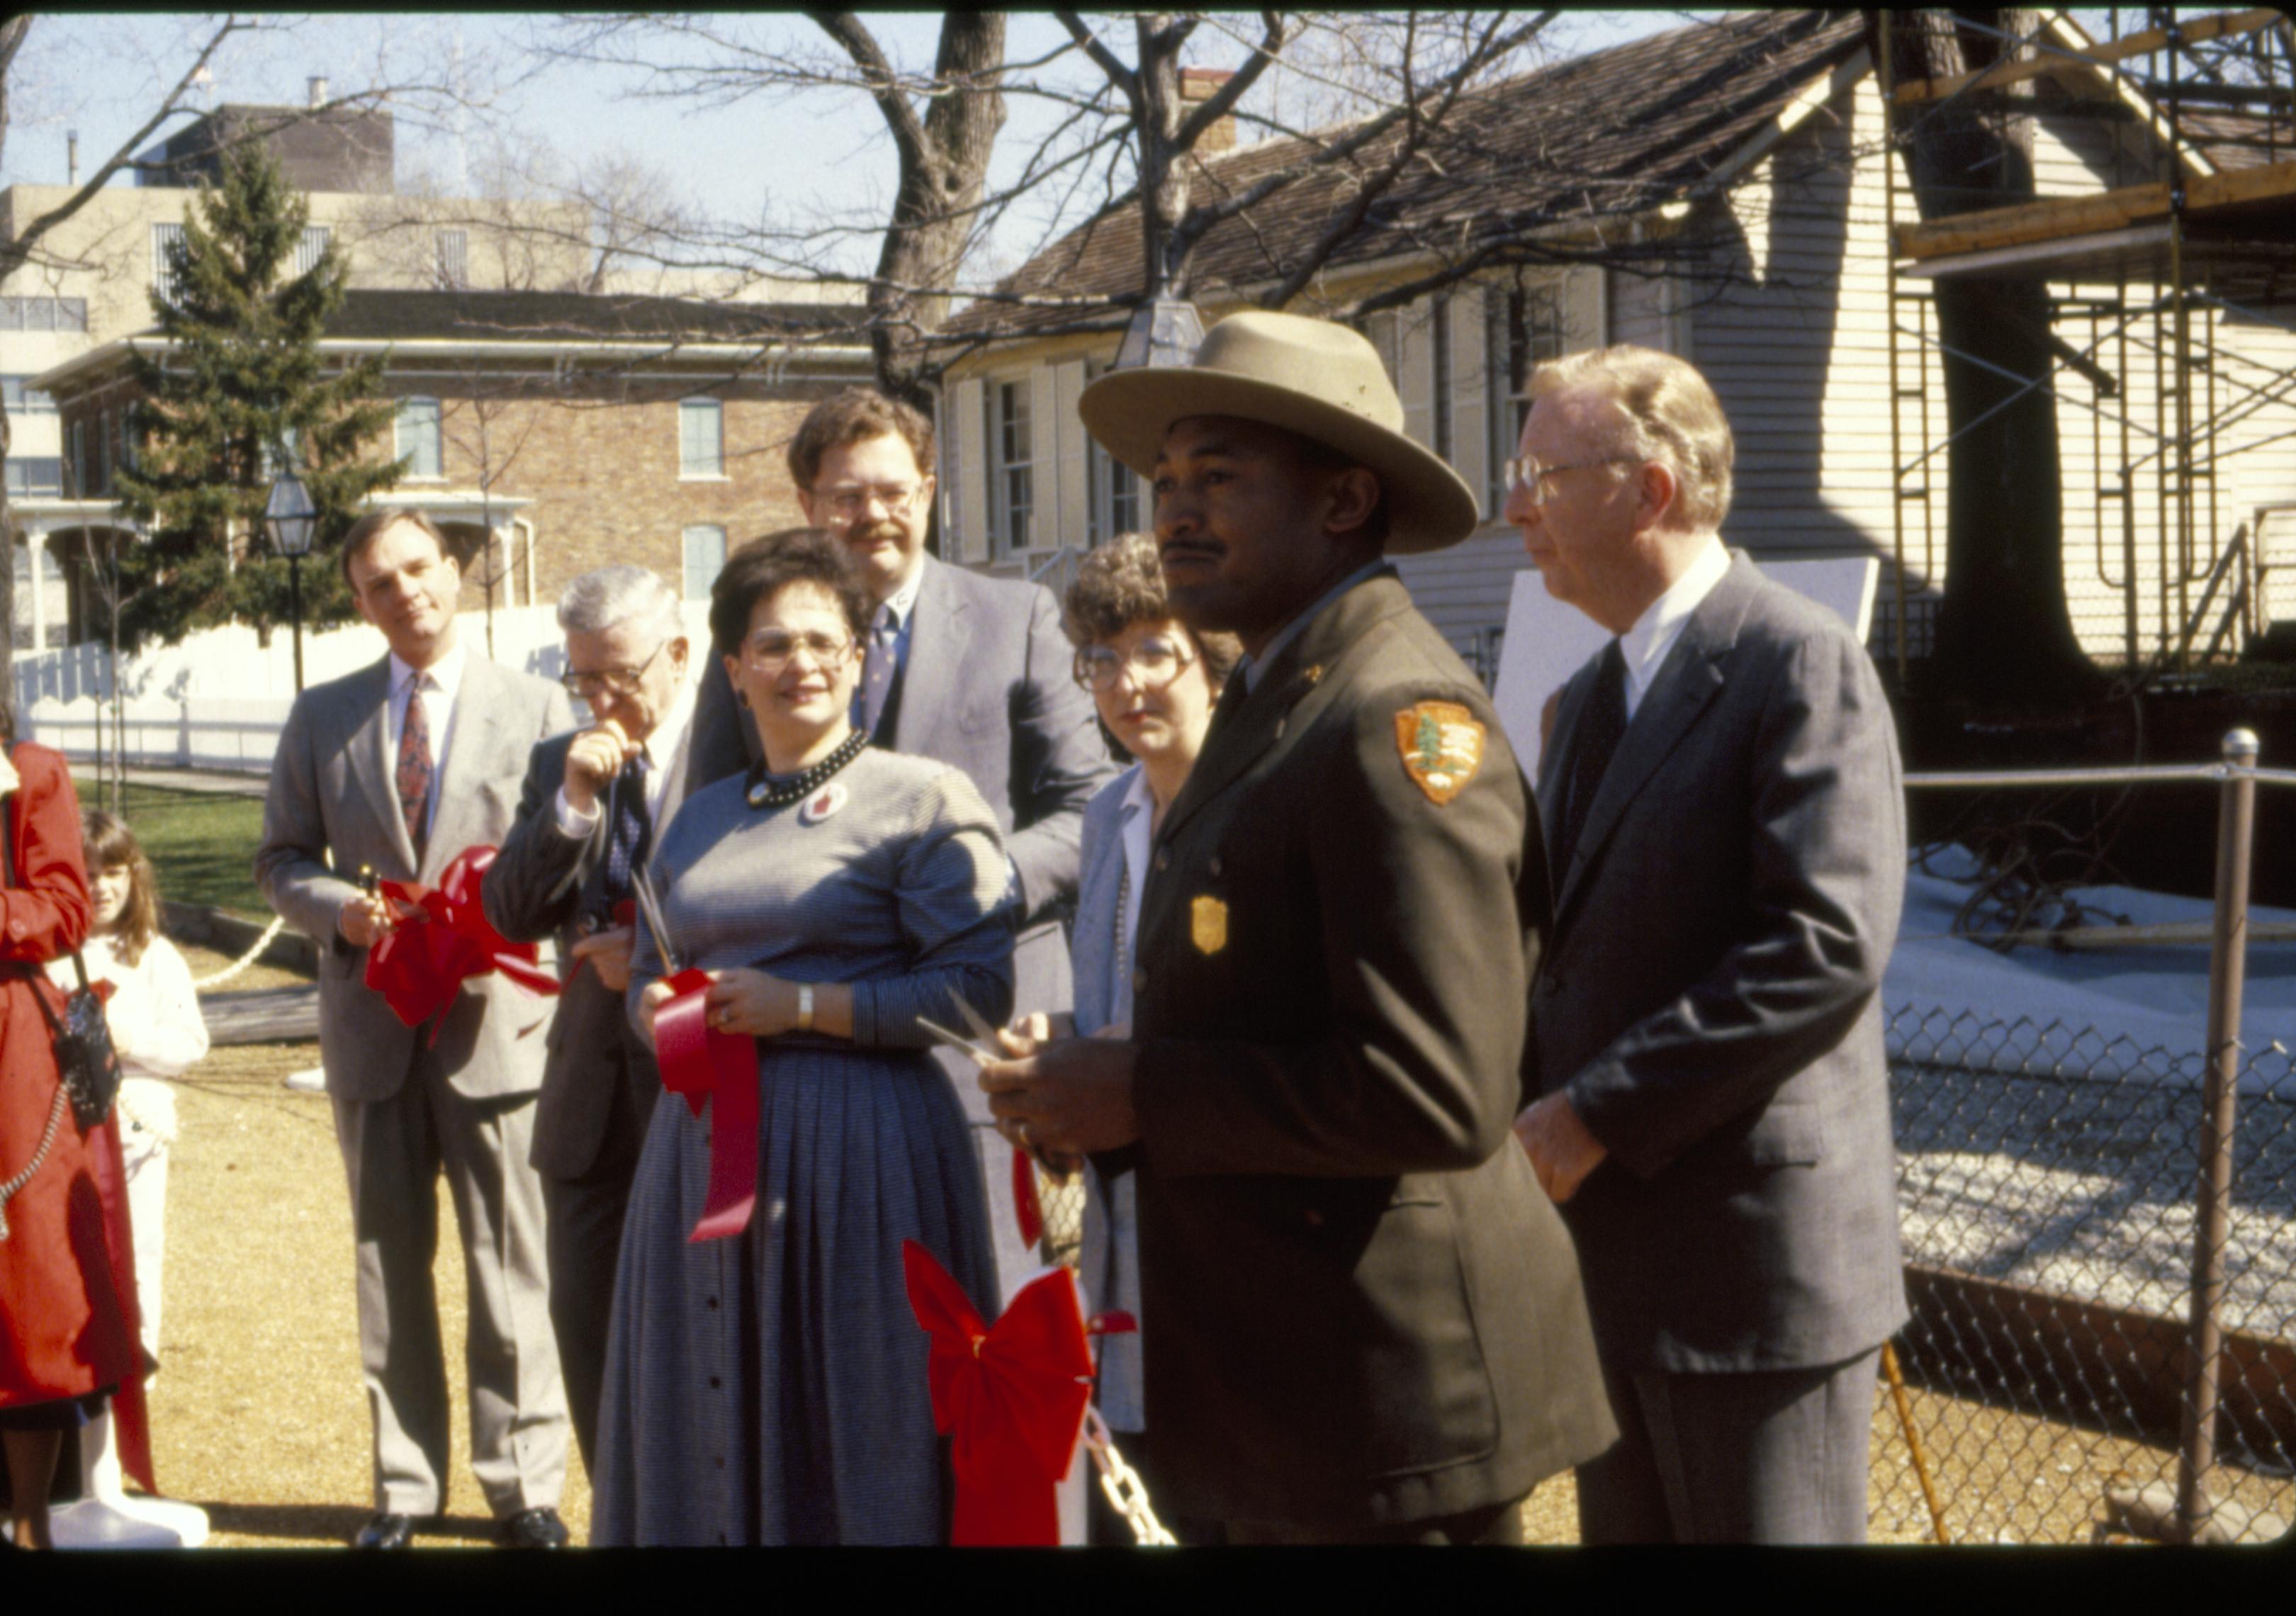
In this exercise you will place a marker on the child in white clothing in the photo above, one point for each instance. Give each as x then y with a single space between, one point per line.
154 1012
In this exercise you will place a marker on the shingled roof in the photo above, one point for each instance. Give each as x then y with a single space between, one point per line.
1613 133
573 316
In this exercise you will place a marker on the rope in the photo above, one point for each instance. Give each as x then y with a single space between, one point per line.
1127 1493
244 960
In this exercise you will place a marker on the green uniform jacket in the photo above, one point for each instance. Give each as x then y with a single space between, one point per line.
1358 1305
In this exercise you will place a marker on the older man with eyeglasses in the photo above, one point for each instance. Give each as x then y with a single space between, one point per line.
592 804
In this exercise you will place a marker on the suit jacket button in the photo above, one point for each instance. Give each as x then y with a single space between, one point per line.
1163 858
1139 980
1315 1218
1215 866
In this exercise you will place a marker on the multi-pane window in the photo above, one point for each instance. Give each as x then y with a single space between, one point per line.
1012 453
76 459
167 242
43 313
1525 326
454 258
36 474
418 438
701 437
705 559
21 399
1112 490
311 249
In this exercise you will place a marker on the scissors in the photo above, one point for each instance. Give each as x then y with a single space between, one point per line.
651 908
982 1053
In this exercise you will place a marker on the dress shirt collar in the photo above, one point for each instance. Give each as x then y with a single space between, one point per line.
1137 797
447 671
661 742
902 601
1645 644
1250 666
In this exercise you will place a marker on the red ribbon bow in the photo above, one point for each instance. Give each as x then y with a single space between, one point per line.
704 1065
1011 1398
422 966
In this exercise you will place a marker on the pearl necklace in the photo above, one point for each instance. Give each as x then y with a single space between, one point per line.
764 796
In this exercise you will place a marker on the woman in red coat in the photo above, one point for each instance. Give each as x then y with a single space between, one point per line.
67 1334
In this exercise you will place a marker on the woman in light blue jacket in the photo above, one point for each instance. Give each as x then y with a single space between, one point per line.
1155 683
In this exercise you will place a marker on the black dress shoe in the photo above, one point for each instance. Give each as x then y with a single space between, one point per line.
386 1531
533 1529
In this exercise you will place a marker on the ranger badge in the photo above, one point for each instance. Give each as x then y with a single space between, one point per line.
1207 924
1442 747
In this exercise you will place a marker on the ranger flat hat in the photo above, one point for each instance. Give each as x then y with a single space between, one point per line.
1312 377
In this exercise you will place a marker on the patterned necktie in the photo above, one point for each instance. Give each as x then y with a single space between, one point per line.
877 671
1602 726
414 764
633 834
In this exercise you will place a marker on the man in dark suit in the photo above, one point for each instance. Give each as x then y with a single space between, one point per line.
588 814
969 670
1724 810
400 767
1362 1320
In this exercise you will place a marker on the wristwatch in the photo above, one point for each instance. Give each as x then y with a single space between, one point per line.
805 1007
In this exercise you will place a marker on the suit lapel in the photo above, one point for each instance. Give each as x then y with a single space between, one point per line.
370 757
1550 780
473 743
1686 687
940 628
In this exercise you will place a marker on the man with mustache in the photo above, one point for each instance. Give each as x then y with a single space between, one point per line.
399 767
1364 1320
969 670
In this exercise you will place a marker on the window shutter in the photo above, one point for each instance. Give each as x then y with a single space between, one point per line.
1585 310
1470 361
1415 378
1068 522
1044 456
970 467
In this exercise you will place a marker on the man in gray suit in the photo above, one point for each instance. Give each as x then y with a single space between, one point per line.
399 767
588 814
1724 816
971 671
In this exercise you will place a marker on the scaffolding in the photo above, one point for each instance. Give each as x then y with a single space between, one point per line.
2155 281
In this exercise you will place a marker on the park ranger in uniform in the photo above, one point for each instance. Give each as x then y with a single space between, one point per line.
1361 1319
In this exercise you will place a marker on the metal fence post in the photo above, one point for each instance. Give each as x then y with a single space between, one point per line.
2227 976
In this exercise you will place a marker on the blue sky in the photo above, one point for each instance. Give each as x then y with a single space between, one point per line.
101 74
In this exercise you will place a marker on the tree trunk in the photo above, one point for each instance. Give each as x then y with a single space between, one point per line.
942 178
2004 629
1163 176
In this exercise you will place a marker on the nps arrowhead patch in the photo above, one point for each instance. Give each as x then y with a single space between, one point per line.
1442 747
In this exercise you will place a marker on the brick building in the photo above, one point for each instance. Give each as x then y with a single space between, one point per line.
547 432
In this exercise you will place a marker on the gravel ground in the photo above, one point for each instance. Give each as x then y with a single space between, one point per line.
258 1414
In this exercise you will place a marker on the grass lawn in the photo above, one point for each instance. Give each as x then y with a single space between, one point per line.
202 843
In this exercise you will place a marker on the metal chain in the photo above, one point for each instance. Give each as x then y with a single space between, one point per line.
47 1137
1127 1493
244 960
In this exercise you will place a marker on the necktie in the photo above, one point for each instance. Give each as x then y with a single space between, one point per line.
1602 724
633 834
877 671
414 764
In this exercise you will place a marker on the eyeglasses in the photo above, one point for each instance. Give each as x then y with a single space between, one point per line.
1154 663
611 681
849 502
769 649
1528 475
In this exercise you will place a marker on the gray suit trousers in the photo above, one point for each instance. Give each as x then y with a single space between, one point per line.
393 1152
1764 1455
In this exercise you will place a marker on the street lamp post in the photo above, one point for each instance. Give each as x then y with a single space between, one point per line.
291 517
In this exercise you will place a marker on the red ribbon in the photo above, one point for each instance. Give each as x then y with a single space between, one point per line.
1011 1398
1025 1205
704 1065
421 965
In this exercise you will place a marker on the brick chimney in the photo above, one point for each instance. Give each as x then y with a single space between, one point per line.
1201 84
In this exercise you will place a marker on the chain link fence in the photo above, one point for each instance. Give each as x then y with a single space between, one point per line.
2047 1182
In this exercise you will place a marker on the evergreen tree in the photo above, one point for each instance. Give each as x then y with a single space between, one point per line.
240 384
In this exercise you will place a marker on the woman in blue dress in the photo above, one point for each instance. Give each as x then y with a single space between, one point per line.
770 1387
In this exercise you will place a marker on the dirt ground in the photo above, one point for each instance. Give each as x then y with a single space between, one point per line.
258 1415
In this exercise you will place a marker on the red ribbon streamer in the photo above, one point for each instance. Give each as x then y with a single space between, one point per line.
1011 1398
420 965
704 1065
1025 1205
